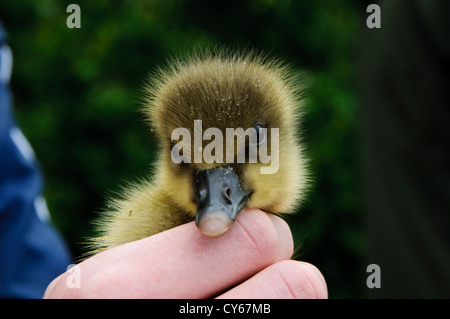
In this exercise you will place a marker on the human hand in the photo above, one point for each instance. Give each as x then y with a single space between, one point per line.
183 263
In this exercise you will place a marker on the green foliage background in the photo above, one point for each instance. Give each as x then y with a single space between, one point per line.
77 92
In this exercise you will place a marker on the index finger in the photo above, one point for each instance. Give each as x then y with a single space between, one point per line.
183 263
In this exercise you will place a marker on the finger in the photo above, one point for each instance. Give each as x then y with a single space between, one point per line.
183 263
49 289
285 280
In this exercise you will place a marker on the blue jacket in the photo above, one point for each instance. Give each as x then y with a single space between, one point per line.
32 253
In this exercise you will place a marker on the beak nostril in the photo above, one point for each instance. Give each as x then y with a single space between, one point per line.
227 196
202 194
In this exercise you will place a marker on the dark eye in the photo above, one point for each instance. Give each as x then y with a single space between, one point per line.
261 133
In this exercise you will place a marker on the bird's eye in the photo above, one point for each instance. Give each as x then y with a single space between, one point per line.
261 133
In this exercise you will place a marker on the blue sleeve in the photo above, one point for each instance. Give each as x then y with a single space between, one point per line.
32 253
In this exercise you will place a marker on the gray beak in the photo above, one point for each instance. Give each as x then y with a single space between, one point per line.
219 197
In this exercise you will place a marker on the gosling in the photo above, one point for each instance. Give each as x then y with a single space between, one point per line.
220 91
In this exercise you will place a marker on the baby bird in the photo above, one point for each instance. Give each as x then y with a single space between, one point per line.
209 180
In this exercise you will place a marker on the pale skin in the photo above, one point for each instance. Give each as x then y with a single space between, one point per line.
253 258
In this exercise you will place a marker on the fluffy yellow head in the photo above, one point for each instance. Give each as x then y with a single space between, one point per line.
224 91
